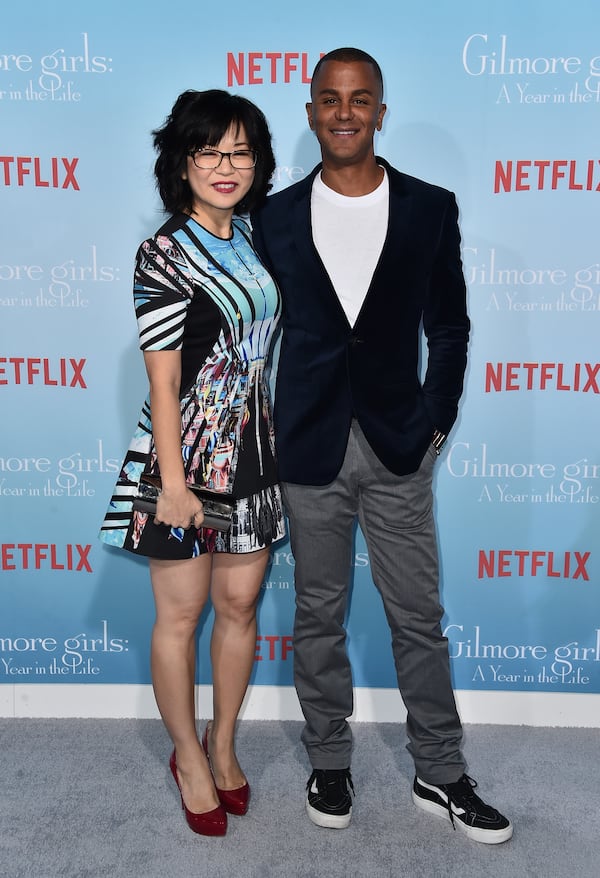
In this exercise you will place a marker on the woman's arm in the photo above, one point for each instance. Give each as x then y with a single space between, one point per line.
177 506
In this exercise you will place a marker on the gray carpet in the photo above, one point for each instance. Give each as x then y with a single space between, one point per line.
87 798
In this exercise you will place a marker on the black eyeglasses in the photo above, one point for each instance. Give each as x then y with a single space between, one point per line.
209 159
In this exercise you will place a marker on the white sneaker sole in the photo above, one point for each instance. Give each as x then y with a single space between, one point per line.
328 821
484 836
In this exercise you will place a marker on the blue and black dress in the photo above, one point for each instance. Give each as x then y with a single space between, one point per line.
212 299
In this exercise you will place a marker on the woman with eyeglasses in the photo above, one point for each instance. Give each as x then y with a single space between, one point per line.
207 310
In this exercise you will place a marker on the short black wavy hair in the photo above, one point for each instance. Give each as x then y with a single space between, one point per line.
202 118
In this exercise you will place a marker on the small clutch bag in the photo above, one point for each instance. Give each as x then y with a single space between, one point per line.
218 508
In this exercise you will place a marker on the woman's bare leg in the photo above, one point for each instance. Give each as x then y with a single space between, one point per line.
181 590
236 582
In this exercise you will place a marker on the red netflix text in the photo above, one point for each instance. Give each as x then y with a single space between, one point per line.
523 176
271 648
45 556
576 377
521 562
56 173
62 372
256 68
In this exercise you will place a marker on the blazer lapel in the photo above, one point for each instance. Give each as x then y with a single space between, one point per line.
396 240
303 237
301 226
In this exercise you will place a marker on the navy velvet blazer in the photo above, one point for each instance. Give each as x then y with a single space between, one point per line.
329 371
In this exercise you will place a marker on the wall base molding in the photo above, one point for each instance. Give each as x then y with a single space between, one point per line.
118 701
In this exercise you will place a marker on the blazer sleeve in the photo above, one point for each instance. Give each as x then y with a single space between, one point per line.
446 324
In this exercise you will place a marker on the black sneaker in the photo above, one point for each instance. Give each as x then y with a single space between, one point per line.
458 803
328 801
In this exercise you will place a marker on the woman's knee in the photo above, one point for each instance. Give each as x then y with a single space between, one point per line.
181 623
238 607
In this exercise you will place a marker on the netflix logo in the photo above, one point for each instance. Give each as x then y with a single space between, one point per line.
257 68
54 173
523 176
576 378
61 372
270 648
520 562
45 556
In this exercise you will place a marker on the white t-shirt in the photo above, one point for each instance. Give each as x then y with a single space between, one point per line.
349 233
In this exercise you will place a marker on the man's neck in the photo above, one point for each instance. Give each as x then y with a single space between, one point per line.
352 180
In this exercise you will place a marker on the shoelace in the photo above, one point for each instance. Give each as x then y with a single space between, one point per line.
463 797
340 775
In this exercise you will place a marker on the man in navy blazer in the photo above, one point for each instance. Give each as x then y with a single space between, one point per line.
367 258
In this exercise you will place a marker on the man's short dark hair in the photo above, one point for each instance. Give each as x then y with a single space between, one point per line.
349 55
202 118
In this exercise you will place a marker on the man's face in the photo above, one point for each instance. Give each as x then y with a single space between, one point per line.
345 112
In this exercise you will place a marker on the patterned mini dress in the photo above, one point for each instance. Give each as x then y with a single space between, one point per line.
213 300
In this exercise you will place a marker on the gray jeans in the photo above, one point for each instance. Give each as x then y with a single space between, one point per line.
396 516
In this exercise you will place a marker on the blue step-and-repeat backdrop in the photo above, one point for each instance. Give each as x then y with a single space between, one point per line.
499 102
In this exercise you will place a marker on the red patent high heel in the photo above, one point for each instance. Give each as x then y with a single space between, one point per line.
233 801
207 823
